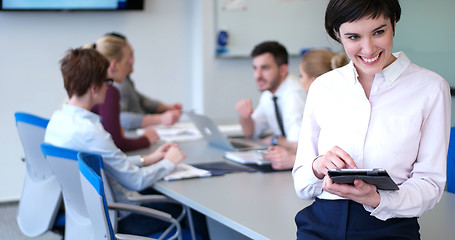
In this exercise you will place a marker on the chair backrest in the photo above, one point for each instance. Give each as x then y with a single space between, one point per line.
95 198
31 131
41 187
451 162
64 163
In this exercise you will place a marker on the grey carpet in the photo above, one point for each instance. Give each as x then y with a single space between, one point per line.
9 229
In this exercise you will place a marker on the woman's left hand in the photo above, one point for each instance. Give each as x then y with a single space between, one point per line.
158 154
360 192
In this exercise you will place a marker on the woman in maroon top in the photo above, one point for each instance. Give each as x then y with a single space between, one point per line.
120 55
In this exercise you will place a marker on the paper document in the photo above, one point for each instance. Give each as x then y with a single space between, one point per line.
179 132
246 157
184 170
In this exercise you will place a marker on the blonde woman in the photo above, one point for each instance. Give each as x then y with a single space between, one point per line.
139 110
120 56
316 62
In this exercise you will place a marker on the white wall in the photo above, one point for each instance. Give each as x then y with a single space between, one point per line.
174 62
32 43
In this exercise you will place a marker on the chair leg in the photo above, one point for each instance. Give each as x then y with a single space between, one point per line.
190 222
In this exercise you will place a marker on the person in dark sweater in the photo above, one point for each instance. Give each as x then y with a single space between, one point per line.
120 56
140 111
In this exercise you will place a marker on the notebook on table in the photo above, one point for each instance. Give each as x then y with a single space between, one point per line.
247 157
214 136
252 159
223 167
185 171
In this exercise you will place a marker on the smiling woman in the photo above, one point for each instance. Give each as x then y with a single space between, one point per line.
368 42
361 116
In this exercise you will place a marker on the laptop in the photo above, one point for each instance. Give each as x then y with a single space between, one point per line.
214 136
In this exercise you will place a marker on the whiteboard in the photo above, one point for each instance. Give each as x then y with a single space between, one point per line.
297 24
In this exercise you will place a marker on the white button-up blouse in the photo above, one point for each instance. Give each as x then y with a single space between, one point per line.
403 127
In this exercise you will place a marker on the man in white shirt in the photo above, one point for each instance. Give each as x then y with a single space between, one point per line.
281 104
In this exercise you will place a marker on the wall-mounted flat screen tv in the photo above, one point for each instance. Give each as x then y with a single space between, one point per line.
71 5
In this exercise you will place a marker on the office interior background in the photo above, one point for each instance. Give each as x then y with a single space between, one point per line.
175 61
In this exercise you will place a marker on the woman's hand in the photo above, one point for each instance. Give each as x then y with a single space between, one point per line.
360 192
175 106
158 154
170 117
335 158
174 155
151 135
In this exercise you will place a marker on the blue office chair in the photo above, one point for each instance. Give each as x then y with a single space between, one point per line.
90 166
451 162
78 220
64 164
41 187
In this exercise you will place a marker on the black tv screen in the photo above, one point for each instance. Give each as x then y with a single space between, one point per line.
71 5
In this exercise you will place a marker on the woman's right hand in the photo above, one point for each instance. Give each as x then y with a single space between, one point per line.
174 155
334 158
151 134
170 117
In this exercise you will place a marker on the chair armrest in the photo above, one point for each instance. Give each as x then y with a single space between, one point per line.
151 198
158 198
142 210
120 236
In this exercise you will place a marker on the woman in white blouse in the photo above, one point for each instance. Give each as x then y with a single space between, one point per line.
379 111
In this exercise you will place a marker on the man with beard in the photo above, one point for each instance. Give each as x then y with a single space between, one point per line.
281 104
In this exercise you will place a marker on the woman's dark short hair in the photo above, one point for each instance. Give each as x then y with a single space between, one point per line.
276 49
81 69
342 11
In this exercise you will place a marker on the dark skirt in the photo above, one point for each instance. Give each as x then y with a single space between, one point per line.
346 219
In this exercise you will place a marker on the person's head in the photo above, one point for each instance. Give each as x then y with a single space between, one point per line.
116 34
119 54
366 29
84 70
316 62
270 65
122 36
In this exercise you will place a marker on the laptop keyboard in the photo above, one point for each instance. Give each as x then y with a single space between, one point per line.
237 144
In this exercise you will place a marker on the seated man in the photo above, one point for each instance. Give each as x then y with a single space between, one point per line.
314 63
281 104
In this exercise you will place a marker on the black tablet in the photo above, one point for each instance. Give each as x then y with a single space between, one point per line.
378 177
